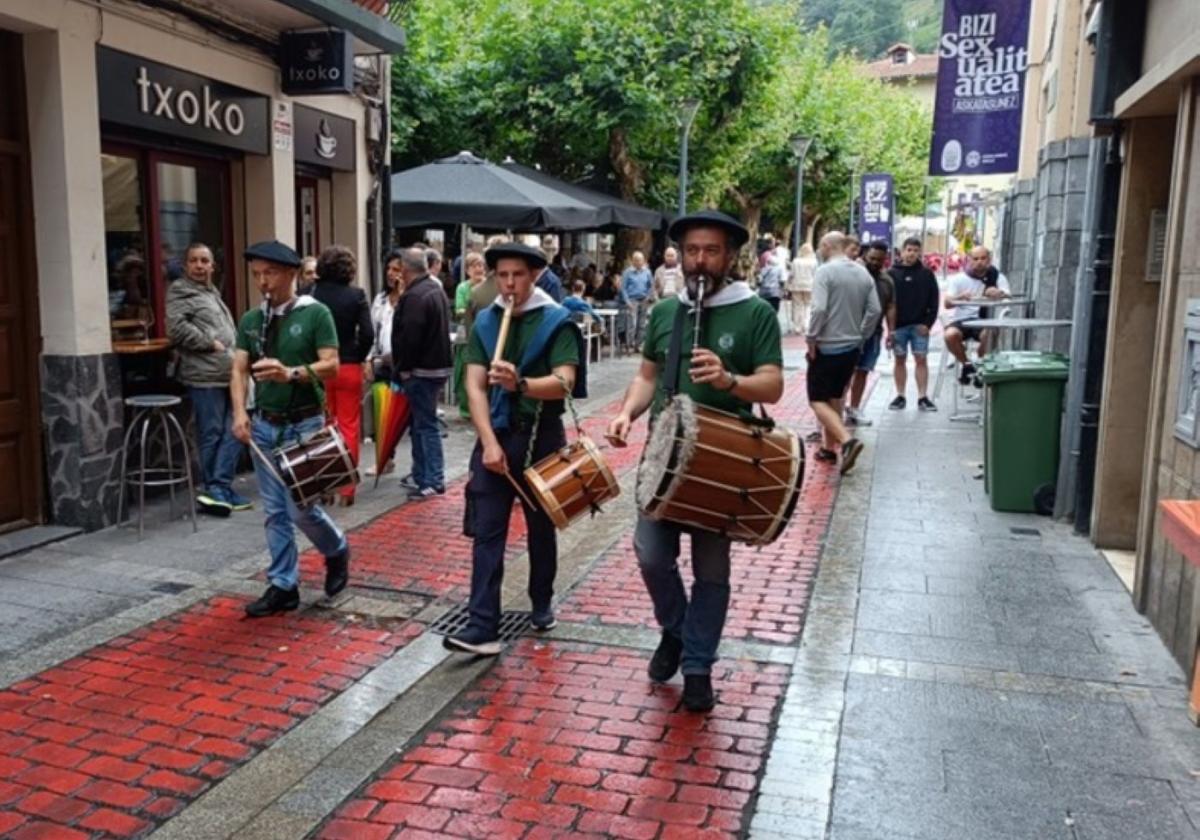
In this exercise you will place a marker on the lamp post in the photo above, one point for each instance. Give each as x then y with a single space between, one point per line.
854 164
799 144
687 114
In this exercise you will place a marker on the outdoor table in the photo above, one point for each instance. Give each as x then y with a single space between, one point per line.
133 348
610 315
1015 324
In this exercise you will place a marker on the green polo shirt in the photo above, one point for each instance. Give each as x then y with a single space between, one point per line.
745 335
564 350
294 340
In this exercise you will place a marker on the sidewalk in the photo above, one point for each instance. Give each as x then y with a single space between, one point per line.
902 663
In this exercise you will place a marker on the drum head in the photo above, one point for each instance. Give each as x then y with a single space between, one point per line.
668 451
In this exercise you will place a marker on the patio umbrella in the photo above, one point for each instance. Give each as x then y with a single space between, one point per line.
391 419
613 212
468 190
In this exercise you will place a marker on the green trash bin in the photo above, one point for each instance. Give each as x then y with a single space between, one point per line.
1022 420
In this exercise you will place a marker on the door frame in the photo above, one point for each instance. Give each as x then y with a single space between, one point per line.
305 178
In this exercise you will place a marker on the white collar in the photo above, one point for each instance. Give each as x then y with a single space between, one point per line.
539 299
297 302
731 293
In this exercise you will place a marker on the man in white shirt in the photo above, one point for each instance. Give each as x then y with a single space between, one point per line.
980 279
668 277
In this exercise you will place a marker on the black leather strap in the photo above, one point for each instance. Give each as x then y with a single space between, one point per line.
675 349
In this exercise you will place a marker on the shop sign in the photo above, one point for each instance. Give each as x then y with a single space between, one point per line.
145 94
324 139
316 61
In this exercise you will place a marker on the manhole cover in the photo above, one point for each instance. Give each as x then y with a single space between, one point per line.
513 623
171 588
1025 532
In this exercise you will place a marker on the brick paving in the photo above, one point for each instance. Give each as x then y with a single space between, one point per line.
573 739
122 737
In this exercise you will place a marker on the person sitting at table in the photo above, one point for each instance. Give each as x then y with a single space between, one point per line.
575 303
979 280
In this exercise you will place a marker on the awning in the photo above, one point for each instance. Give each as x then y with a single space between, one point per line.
367 26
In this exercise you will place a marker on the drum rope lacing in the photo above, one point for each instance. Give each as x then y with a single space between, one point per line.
586 488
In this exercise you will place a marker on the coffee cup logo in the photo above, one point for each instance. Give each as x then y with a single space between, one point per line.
326 142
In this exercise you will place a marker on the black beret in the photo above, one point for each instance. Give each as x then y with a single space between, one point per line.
273 251
534 257
710 218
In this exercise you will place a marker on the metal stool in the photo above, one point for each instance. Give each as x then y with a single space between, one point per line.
153 417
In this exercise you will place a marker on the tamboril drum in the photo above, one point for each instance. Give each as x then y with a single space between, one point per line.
572 481
315 466
708 469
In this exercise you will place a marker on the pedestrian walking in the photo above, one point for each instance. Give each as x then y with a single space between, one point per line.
799 286
421 361
516 407
383 312
874 259
337 270
636 285
917 301
203 333
845 310
770 282
739 362
476 269
668 277
287 347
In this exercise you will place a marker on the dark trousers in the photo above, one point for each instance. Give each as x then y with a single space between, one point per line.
492 498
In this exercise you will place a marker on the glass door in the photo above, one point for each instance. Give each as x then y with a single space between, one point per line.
308 230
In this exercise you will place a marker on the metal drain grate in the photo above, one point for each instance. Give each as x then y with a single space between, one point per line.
1025 532
171 588
513 623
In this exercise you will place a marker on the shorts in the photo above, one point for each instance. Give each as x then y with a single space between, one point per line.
829 374
969 333
869 354
903 337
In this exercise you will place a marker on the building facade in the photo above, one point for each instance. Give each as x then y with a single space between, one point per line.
127 131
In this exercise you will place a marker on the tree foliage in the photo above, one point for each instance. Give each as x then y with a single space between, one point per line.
591 90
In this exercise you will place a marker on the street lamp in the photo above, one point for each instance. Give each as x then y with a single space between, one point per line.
799 144
687 113
854 162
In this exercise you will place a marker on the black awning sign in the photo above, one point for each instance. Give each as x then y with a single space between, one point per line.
324 139
317 61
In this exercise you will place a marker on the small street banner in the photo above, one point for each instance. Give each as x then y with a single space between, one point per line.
875 199
982 57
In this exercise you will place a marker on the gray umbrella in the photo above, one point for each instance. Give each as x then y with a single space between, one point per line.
615 212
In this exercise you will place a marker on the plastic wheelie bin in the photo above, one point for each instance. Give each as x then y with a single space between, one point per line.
1022 421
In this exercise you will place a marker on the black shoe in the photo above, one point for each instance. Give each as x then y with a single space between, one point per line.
827 456
213 506
926 404
665 661
897 404
471 641
815 437
274 600
408 483
543 620
337 573
966 373
698 693
851 449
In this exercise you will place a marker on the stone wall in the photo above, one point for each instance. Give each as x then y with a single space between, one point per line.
83 418
1015 246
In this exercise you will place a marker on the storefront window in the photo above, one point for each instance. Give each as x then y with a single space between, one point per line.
130 304
191 208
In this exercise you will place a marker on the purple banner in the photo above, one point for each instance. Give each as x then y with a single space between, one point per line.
982 58
875 201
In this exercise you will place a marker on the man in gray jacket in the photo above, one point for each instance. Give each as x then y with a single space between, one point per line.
202 330
845 311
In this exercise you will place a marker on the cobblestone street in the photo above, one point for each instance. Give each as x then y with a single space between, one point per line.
902 663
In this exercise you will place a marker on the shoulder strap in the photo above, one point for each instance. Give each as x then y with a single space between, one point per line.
675 349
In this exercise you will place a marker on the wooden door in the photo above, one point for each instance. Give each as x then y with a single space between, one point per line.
20 437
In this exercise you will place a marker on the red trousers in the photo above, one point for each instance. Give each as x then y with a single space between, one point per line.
343 395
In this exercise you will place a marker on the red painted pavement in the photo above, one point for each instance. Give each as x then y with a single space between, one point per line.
119 739
565 739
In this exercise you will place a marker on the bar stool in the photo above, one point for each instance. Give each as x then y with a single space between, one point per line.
152 419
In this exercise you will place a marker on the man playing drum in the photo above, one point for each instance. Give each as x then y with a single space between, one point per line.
516 399
288 345
739 362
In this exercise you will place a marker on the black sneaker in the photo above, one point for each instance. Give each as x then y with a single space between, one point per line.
966 373
897 404
426 493
337 573
926 404
274 600
827 456
472 641
408 483
213 505
665 661
851 449
698 693
543 620
815 437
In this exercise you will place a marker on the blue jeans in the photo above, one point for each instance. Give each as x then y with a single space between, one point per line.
903 337
492 498
282 512
428 465
699 622
219 450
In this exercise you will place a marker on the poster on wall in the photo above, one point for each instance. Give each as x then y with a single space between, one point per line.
875 199
983 54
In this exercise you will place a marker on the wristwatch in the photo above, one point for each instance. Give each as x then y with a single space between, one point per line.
522 385
294 375
733 381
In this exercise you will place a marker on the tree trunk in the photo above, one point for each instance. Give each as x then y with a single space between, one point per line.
631 178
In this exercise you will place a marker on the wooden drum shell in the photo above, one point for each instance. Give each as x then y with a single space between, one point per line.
567 483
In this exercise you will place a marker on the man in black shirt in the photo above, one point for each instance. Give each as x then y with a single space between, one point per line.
917 300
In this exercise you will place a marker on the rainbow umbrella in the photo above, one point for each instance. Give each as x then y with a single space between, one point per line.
391 419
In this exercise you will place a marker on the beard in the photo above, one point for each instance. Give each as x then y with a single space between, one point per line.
712 284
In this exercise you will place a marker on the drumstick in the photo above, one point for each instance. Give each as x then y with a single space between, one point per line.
512 480
505 322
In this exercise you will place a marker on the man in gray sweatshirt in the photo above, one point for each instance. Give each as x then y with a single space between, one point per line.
845 311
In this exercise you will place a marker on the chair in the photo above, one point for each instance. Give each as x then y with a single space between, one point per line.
153 419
